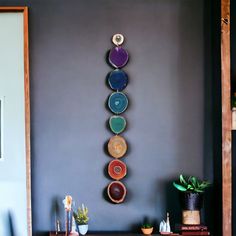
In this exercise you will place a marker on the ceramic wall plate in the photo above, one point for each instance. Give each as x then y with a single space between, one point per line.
117 80
117 146
116 191
117 124
118 39
117 169
118 102
118 57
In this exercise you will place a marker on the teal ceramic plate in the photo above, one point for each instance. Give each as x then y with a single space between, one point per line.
118 102
117 124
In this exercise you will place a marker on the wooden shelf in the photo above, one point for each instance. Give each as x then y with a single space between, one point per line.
106 234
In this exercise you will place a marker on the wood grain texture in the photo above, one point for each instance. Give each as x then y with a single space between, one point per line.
27 121
13 9
24 10
226 120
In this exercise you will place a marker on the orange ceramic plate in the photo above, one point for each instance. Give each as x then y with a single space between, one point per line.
117 169
117 146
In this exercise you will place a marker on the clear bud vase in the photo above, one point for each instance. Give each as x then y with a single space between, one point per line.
68 221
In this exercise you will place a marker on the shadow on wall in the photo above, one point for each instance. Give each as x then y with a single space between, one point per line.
7 226
172 203
55 211
11 225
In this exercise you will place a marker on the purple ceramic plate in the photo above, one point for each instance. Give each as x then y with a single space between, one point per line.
118 57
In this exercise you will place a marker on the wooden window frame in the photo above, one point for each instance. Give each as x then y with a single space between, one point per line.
24 10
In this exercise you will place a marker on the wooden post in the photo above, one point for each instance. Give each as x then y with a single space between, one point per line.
226 120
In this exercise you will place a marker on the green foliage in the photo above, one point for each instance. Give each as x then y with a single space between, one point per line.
191 184
146 226
81 216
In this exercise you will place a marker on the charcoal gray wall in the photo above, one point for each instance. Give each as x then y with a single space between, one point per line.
166 118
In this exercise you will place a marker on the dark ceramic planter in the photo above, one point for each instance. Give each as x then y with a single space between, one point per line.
191 201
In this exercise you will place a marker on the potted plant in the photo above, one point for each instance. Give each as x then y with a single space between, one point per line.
81 218
147 228
191 197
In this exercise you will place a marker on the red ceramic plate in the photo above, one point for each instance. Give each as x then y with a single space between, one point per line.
117 169
116 191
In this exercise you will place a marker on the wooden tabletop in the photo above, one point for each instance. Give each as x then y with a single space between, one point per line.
105 234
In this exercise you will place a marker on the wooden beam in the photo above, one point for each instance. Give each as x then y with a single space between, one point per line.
226 120
13 9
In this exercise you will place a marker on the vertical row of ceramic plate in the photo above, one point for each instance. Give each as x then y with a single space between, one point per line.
117 103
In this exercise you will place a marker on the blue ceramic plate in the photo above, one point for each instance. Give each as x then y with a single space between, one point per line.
118 102
118 80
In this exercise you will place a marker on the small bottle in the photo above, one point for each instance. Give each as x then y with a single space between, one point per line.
168 223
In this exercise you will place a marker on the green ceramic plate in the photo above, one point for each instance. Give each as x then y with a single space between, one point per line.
117 124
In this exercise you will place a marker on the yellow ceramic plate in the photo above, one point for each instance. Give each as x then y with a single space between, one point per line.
117 146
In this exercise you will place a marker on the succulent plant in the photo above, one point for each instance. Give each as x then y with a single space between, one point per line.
147 226
191 184
81 216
